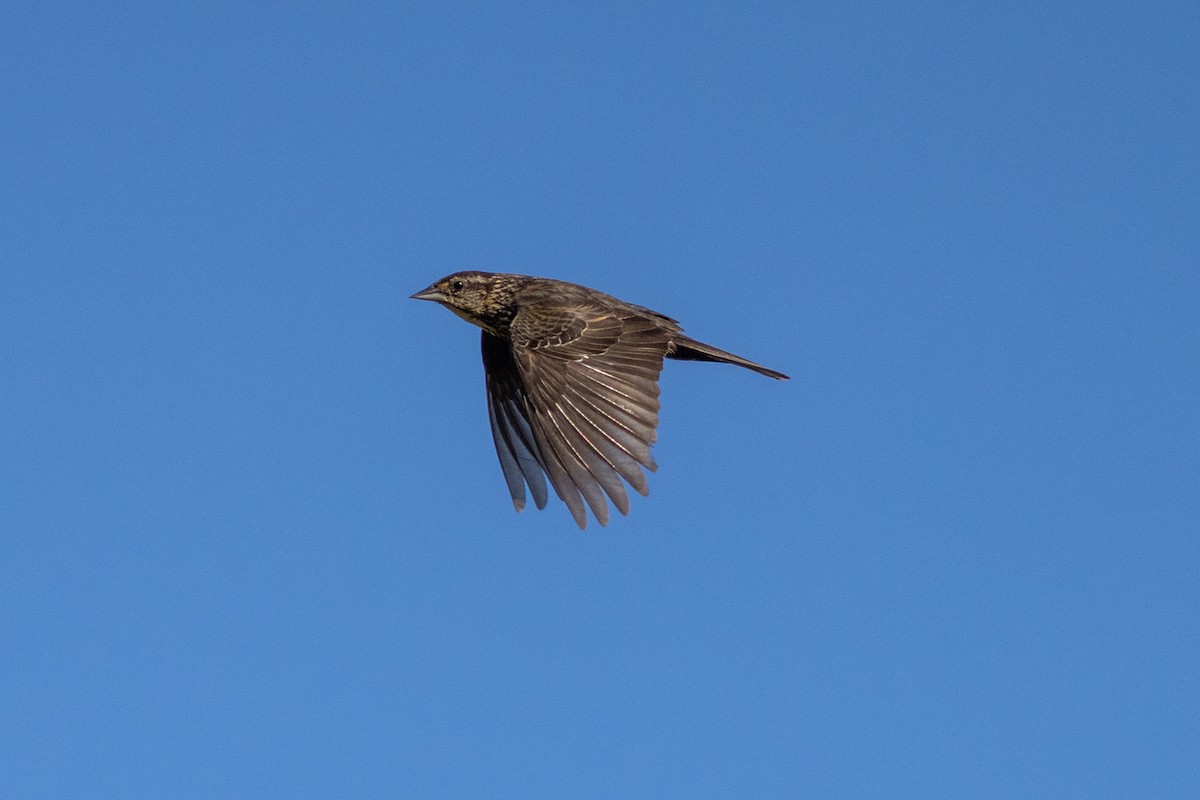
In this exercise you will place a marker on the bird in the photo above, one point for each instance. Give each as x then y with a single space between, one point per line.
571 375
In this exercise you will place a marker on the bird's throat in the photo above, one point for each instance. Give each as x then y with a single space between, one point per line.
474 320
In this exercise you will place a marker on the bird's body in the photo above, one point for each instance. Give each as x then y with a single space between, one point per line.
572 383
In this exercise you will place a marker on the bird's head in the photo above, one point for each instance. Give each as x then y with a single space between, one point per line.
477 297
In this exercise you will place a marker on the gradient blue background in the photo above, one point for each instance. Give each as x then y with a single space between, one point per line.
255 539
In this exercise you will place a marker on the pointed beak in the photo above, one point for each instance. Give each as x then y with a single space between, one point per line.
428 293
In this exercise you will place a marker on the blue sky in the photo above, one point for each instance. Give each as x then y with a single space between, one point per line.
254 541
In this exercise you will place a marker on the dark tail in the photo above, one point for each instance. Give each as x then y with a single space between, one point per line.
690 350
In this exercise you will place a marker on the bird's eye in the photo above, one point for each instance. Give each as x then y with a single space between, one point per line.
457 286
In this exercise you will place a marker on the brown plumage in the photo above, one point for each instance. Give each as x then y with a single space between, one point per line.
572 383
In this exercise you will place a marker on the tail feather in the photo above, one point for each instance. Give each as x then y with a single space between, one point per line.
687 349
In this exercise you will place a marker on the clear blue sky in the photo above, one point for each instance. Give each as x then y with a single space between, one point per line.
255 542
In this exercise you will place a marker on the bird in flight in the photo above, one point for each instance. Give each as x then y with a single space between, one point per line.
572 383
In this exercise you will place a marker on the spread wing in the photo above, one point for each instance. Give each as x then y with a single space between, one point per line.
514 440
587 382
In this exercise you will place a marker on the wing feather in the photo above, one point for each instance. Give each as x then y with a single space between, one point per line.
592 401
513 437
